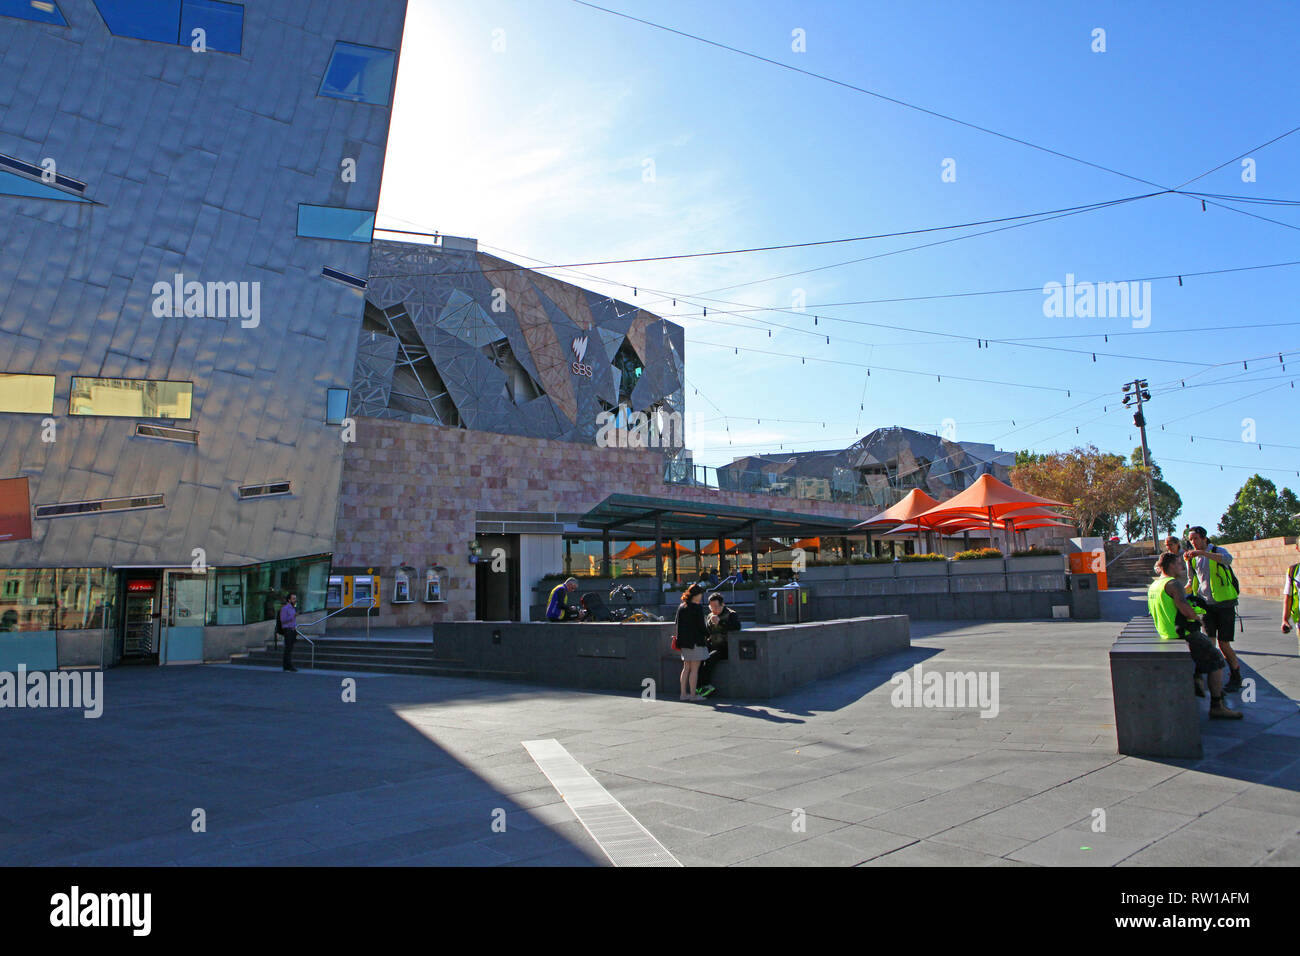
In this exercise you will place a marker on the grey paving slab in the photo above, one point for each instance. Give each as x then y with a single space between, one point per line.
411 773
1072 847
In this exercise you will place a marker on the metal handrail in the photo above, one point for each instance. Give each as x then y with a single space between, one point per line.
321 620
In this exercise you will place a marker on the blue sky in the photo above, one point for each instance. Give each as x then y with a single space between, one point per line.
531 124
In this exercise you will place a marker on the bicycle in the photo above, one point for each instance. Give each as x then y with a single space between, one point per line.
629 614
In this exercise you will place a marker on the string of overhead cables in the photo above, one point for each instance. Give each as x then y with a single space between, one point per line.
743 309
960 122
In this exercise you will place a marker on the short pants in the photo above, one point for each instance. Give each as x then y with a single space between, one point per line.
1219 621
1205 653
697 653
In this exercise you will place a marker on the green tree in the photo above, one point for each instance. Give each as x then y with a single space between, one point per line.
1260 511
1094 485
1169 504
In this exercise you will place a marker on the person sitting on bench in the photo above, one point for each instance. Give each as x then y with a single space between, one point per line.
1175 619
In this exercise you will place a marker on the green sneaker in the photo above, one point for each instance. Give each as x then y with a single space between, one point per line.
706 690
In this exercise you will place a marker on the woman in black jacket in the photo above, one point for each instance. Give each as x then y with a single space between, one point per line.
692 639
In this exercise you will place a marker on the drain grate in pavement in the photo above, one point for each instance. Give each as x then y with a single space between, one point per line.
618 834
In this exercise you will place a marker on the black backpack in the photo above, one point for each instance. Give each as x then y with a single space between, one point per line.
279 626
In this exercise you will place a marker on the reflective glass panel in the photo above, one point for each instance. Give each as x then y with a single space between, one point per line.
333 222
158 20
27 394
336 405
223 24
42 11
130 398
363 74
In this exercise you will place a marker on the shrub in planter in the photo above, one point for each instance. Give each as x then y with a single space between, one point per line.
1035 552
924 557
872 561
977 554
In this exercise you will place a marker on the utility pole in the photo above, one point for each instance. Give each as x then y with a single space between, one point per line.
1137 389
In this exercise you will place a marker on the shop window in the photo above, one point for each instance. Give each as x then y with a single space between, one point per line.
363 74
266 586
27 394
336 405
41 11
130 398
334 222
225 596
83 598
28 599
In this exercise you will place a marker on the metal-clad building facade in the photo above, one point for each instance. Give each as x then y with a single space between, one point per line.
203 156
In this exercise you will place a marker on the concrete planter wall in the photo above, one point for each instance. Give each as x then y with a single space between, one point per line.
923 569
1039 562
980 566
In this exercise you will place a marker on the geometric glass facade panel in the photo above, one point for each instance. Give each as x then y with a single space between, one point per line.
363 74
174 21
336 405
223 24
42 11
12 185
333 222
131 398
157 20
27 394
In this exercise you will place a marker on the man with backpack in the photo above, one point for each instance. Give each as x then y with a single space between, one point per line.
286 623
1210 578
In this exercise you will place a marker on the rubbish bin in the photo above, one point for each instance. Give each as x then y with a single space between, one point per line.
789 603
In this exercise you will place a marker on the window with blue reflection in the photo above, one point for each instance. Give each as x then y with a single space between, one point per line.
222 22
363 74
42 11
336 406
157 20
12 185
333 222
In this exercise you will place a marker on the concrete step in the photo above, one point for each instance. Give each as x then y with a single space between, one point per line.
373 665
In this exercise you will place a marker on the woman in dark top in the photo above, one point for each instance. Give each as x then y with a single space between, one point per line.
692 640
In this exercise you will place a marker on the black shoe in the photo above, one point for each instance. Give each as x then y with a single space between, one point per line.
292 668
1234 683
1199 683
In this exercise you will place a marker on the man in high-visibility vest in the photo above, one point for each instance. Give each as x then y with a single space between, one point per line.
1175 619
1209 576
1291 596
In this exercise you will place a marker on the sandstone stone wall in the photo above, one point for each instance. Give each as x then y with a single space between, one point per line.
410 493
1261 566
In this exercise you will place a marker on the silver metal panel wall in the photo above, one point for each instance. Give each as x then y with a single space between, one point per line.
197 163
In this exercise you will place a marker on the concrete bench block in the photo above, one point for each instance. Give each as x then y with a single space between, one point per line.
1155 708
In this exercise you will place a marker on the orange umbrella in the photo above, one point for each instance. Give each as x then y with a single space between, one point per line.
712 547
669 547
987 497
916 502
633 550
808 544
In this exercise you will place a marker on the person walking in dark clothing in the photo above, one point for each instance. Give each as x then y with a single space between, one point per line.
691 640
720 621
288 621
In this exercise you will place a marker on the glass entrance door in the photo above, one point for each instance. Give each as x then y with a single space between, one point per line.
141 616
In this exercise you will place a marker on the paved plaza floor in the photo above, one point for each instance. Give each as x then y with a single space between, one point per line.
433 771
